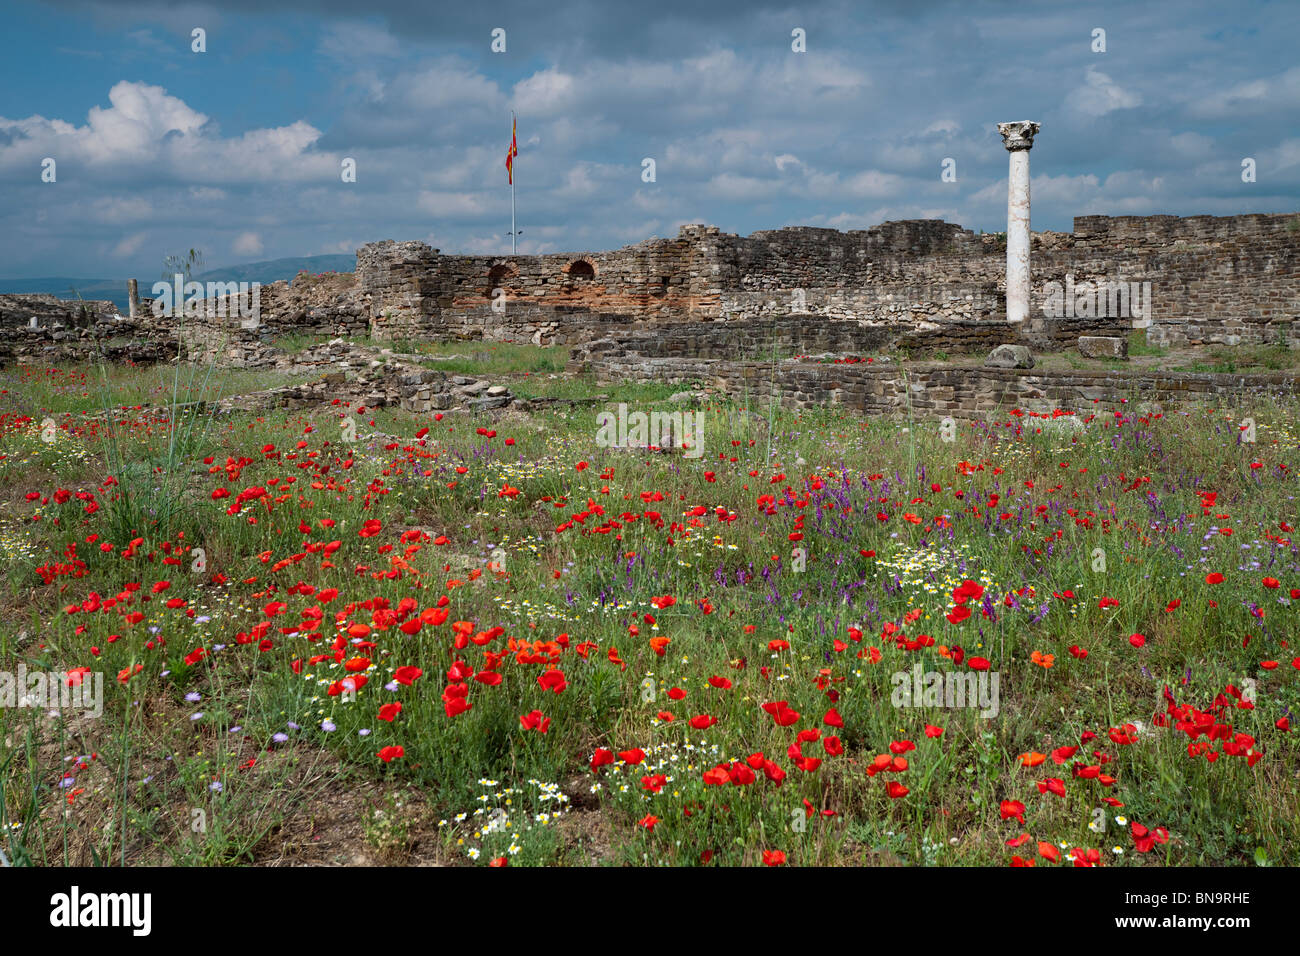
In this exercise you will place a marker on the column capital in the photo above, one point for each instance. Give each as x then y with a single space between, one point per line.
1017 136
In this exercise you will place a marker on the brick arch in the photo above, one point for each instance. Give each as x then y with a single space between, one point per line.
580 268
500 274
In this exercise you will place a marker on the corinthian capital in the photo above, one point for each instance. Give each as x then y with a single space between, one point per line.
1016 136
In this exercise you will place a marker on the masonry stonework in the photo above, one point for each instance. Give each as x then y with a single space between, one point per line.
1227 280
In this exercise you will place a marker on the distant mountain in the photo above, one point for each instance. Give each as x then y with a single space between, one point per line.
275 269
114 290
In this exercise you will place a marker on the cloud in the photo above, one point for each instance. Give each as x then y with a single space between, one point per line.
120 209
746 134
128 246
1269 95
150 133
545 93
247 244
450 205
354 42
1100 95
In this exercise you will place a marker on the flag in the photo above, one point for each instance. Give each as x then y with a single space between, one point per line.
511 154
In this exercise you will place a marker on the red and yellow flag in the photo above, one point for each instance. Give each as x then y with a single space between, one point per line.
511 154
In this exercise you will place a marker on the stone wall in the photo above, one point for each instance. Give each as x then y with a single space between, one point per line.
118 341
1228 280
17 311
793 335
922 284
937 390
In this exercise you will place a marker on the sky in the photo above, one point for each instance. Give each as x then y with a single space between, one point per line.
239 150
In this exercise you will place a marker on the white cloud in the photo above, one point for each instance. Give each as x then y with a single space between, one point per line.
1270 95
120 209
947 127
1100 95
247 244
450 205
150 132
128 246
447 83
544 93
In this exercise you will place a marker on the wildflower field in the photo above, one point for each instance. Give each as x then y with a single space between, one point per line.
1053 640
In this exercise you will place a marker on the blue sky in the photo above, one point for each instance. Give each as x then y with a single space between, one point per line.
237 151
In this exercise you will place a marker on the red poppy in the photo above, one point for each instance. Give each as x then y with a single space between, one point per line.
553 680
781 713
1052 785
533 720
958 614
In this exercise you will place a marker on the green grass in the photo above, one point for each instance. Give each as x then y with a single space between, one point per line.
489 358
1137 345
577 552
1247 358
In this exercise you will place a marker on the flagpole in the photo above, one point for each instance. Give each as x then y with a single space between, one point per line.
514 236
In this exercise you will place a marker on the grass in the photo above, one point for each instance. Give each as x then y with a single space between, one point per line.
632 593
1246 358
1137 345
298 343
488 358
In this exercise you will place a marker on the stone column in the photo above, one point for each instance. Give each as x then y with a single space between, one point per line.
133 297
1018 138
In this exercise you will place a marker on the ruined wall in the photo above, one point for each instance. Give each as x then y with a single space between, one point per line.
120 342
789 336
937 390
1229 280
412 290
17 311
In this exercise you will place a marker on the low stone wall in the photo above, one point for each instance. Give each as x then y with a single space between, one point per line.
887 388
792 335
17 311
363 375
121 342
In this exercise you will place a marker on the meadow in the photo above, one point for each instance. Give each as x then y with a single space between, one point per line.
467 640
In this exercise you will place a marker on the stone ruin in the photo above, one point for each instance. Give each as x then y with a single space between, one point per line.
674 309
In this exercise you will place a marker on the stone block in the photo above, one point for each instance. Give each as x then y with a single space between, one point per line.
1010 356
1103 347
